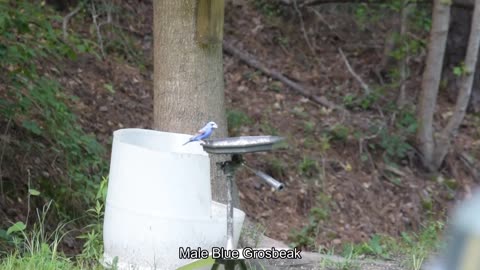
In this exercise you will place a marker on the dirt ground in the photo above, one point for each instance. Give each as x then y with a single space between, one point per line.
360 197
361 201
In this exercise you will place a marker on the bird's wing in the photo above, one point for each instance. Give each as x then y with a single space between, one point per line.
206 134
199 134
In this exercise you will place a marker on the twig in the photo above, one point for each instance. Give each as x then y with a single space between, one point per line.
321 18
361 147
354 74
108 7
305 34
68 17
469 162
394 170
251 61
302 25
97 26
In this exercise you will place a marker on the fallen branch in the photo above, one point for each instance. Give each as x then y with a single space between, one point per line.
470 163
456 3
354 74
251 61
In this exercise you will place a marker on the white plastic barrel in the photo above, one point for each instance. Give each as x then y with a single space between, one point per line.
158 200
150 170
157 244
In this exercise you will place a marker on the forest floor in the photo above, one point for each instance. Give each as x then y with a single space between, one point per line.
353 173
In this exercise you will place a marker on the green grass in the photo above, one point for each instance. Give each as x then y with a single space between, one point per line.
306 236
308 167
237 119
411 249
36 247
348 262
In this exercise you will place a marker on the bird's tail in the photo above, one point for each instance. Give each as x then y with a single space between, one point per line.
186 142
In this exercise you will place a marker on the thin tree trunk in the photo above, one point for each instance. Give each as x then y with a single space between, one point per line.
403 66
450 131
188 78
431 81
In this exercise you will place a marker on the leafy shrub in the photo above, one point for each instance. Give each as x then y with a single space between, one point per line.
35 101
236 119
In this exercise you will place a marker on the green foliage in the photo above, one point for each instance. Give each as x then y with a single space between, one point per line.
300 112
93 245
268 8
412 248
276 168
375 247
17 227
305 237
237 119
364 102
460 70
282 40
324 143
309 127
38 103
123 46
339 132
349 101
406 46
39 251
35 240
308 167
275 86
395 141
417 247
36 248
309 142
366 14
394 145
268 129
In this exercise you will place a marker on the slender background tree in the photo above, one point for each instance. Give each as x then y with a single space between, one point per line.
435 146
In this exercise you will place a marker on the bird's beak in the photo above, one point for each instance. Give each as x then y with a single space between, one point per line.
215 126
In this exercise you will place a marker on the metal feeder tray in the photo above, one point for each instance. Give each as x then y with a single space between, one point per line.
241 145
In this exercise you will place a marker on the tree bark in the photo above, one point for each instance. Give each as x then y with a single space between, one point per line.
188 79
431 81
458 37
450 131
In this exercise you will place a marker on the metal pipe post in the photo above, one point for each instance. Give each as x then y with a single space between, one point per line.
229 175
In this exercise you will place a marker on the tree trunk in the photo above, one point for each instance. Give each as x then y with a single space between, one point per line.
188 78
406 11
431 81
450 131
455 55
